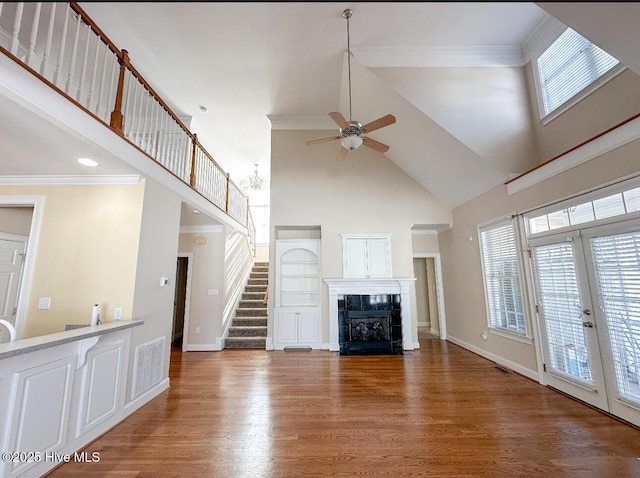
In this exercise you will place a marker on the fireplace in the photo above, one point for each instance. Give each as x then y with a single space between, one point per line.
370 325
370 316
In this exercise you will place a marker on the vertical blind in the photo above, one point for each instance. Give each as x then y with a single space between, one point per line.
616 261
501 275
568 66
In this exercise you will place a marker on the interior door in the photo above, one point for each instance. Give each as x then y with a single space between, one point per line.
11 261
572 359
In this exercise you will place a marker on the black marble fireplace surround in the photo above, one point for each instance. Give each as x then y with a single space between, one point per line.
370 324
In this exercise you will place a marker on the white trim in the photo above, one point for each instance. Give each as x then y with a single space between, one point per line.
145 397
121 179
507 334
37 203
440 56
442 321
187 298
213 228
7 236
527 372
613 139
205 347
400 285
299 123
542 36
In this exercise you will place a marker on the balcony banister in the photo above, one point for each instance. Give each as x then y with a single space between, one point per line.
110 89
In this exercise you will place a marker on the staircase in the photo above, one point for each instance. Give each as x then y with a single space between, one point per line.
248 328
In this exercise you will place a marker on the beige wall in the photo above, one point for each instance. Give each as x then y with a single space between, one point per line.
207 272
156 256
614 102
462 275
15 220
423 243
366 193
86 253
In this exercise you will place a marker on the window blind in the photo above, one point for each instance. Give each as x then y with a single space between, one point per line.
568 66
501 275
617 268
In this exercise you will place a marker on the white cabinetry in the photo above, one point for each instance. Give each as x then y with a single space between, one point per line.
366 256
297 312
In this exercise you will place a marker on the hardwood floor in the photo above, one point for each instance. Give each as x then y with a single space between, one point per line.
438 411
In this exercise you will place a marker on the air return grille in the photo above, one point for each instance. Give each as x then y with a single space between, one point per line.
147 366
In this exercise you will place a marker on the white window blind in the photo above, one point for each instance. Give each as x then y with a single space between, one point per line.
617 268
568 66
501 275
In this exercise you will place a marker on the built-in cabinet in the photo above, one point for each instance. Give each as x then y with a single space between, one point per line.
297 306
366 256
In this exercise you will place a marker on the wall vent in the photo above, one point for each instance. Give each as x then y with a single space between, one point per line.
147 366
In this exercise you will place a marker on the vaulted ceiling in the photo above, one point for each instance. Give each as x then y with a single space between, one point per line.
450 73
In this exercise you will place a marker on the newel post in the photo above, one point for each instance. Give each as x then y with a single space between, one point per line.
117 120
192 177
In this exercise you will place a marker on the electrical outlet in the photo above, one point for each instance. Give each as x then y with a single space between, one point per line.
197 330
44 303
117 313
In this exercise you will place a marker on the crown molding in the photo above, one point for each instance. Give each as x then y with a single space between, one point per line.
456 56
69 180
301 122
545 33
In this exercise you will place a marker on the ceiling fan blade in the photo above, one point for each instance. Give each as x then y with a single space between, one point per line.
339 119
379 123
322 140
342 154
373 144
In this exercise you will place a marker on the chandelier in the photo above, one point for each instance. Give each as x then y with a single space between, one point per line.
255 181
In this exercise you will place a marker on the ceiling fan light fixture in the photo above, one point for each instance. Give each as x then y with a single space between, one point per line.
351 142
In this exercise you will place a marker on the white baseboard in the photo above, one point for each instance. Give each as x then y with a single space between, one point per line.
527 372
269 343
217 347
146 397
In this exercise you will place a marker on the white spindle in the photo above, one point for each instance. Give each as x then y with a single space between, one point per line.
137 111
94 72
155 127
83 66
74 53
63 44
111 92
101 82
146 135
128 106
15 31
34 33
1 4
49 40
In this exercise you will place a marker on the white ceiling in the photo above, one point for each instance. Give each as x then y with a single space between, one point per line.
248 61
254 64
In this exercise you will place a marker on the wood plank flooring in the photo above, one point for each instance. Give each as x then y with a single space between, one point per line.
439 411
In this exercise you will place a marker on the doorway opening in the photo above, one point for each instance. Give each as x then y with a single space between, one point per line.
182 293
429 295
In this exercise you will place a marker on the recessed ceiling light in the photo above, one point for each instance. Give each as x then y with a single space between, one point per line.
88 162
195 211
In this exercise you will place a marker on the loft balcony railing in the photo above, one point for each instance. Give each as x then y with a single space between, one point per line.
60 44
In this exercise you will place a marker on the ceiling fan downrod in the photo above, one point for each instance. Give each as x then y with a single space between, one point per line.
347 14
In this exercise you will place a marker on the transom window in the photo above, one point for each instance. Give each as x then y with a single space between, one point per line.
568 66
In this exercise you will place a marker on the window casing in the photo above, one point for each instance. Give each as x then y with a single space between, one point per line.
570 69
502 277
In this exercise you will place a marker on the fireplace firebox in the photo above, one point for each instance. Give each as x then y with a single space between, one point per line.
370 325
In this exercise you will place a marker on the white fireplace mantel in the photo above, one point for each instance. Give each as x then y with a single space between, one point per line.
400 285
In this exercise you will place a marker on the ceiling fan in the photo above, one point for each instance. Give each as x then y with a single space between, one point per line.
351 131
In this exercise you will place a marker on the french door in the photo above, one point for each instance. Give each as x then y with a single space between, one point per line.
587 296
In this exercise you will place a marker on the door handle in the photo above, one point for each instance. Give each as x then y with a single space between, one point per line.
588 324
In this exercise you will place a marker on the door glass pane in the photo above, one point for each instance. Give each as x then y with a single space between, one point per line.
632 200
617 268
559 299
609 206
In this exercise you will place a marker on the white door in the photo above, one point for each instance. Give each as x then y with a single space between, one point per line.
11 261
588 301
570 345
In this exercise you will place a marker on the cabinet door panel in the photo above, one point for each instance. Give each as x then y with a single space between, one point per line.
356 260
308 327
287 327
378 250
